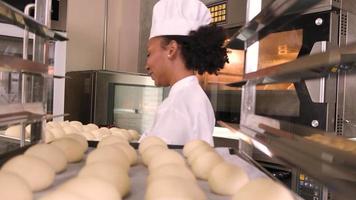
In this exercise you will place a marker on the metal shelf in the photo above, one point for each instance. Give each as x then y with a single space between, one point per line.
260 26
334 167
308 67
11 15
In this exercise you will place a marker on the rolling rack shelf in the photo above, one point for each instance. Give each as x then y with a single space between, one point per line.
288 141
11 15
23 86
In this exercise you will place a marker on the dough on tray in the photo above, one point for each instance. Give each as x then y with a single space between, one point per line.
91 188
54 156
150 141
13 187
263 188
174 188
110 173
71 148
191 145
36 172
204 164
226 178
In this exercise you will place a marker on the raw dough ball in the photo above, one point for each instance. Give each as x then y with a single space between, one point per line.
166 157
53 124
174 188
111 140
109 154
90 127
121 132
57 132
51 154
62 195
81 139
134 134
91 188
151 152
198 152
69 129
88 135
226 179
49 136
71 148
101 133
203 164
263 188
15 131
191 145
149 141
110 173
170 170
129 151
36 172
13 187
77 124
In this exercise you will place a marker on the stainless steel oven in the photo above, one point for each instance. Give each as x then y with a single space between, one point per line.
107 98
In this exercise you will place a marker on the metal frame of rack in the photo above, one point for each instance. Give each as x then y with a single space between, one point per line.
284 140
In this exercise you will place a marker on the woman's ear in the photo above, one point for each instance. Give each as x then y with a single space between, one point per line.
172 49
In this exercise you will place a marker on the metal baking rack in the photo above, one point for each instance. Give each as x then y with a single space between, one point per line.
287 141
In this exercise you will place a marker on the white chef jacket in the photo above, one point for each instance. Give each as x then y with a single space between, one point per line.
186 114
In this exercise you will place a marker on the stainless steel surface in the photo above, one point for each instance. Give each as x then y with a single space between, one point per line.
323 5
332 166
308 67
26 32
13 16
257 28
111 98
105 34
9 63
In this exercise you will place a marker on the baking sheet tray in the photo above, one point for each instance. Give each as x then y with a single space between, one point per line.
139 172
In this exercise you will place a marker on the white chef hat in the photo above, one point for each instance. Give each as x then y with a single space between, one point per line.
178 17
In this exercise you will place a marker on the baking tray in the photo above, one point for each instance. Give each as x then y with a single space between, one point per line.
139 172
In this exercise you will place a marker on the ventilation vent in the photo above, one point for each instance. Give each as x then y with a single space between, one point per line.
339 125
343 28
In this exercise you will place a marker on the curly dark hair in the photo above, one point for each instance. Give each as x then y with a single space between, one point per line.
202 50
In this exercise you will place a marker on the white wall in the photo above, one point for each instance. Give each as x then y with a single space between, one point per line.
85 28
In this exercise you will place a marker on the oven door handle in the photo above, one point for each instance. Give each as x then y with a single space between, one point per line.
26 32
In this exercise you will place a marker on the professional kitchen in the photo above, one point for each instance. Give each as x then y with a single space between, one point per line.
177 100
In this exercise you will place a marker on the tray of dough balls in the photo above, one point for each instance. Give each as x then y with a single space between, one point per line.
66 168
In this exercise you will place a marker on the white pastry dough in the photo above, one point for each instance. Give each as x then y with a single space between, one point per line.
90 127
62 195
13 187
91 188
71 148
57 132
203 164
151 152
174 188
263 188
226 179
15 131
170 170
81 139
109 172
197 152
191 145
36 172
134 134
166 157
150 141
54 156
129 151
109 154
111 140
